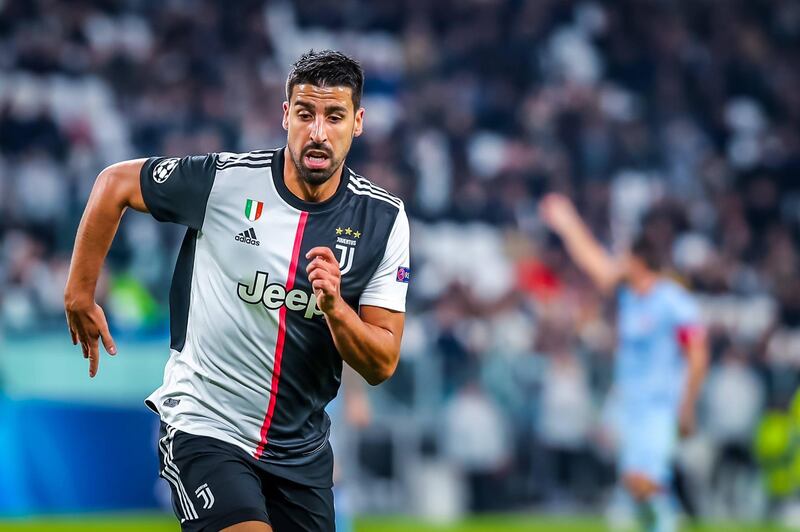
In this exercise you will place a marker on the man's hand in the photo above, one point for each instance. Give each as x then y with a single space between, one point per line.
559 213
325 276
686 420
357 410
86 324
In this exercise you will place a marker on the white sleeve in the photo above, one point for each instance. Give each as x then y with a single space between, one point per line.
388 286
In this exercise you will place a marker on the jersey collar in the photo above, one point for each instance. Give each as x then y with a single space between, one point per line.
308 206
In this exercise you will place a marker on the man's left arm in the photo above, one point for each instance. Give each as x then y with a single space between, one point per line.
369 341
692 339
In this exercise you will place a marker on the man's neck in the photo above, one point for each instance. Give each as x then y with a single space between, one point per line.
306 191
644 284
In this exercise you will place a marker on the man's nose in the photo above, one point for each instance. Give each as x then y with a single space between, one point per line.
318 133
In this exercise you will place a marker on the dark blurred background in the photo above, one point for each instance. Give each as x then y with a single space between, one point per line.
679 118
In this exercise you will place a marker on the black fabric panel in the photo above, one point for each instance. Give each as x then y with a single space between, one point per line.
177 190
180 291
311 367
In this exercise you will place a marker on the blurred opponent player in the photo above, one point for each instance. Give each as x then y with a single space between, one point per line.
291 264
661 359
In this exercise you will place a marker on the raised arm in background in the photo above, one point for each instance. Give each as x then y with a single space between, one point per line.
559 213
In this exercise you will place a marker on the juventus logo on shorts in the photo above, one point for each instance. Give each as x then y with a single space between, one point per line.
204 492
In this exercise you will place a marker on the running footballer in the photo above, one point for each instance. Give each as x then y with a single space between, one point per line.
292 263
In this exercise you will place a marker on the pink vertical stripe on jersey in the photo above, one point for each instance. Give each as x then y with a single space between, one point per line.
276 370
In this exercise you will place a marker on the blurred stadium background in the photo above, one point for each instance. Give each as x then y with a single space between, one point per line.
680 118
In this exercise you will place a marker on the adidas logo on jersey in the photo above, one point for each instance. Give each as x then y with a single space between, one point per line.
248 237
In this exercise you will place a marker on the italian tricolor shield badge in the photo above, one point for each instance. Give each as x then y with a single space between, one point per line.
252 209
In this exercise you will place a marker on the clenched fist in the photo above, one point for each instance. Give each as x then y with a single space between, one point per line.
323 272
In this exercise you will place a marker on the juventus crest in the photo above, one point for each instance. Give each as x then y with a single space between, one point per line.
346 240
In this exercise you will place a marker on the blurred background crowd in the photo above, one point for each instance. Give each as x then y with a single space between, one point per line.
679 118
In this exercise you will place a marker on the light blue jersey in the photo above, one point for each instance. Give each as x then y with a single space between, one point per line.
650 364
651 375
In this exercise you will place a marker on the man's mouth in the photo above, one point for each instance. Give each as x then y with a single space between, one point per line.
316 159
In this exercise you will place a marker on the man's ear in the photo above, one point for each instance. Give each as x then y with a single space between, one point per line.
359 122
285 122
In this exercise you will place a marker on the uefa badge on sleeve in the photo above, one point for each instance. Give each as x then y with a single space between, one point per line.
164 169
403 274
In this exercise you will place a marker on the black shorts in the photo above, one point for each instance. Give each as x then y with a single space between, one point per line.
215 485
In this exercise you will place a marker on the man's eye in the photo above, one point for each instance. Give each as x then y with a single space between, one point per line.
304 116
335 118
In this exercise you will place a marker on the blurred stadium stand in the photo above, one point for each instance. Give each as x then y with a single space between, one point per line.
680 118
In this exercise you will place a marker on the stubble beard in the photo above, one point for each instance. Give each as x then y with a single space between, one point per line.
314 177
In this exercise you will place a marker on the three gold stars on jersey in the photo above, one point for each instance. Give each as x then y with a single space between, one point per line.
349 232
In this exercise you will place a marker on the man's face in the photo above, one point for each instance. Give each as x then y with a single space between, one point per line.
321 123
635 268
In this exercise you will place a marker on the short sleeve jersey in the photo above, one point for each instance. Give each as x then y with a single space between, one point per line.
252 361
650 365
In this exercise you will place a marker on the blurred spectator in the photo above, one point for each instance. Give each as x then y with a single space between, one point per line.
734 400
566 421
477 440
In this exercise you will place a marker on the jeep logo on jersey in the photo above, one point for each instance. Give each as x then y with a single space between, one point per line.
164 169
274 296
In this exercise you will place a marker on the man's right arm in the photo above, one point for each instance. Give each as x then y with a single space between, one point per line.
116 188
560 215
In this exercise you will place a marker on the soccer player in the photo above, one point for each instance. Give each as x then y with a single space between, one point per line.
661 359
291 264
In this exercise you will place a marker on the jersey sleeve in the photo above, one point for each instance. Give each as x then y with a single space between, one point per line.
388 286
686 315
177 189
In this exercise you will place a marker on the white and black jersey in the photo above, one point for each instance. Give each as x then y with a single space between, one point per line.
252 361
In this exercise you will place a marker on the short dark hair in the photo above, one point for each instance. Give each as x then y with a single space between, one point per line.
327 68
647 251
